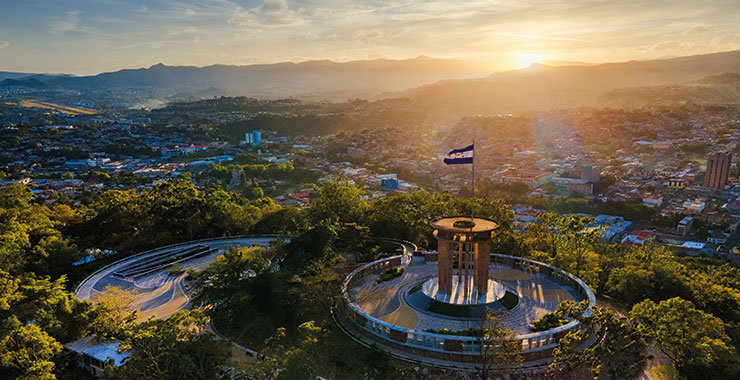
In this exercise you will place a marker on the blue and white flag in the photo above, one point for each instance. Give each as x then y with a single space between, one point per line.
460 156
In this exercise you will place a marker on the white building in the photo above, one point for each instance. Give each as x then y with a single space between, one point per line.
94 354
695 206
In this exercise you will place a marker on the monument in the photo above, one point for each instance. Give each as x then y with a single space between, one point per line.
464 247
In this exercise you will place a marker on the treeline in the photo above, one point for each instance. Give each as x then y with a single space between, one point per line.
273 171
316 124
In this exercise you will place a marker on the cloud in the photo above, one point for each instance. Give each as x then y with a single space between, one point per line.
190 29
700 28
4 44
190 12
398 32
367 36
196 39
731 39
538 37
669 45
70 22
271 12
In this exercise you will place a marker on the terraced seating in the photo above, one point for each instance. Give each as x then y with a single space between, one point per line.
163 260
160 255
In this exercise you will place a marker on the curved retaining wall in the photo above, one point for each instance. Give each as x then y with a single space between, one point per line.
535 346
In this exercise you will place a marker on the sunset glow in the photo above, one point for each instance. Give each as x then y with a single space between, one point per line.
88 37
526 60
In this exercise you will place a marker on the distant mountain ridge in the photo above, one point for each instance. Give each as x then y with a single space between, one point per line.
281 79
448 88
27 82
14 75
542 87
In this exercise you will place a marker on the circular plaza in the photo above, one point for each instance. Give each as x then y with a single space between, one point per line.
158 292
418 305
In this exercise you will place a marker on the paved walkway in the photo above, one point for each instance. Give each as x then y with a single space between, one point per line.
538 295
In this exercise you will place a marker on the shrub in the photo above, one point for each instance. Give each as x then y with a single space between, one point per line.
389 274
548 321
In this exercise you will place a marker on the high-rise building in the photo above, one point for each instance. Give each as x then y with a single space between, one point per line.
718 170
590 173
253 138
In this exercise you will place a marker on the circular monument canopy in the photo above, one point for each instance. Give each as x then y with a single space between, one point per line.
463 228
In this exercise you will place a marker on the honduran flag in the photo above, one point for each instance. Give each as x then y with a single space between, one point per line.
460 156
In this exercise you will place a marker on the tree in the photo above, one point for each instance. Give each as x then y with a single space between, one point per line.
499 348
353 237
694 340
29 351
35 315
173 348
289 221
227 282
617 351
571 241
291 361
112 311
338 201
316 245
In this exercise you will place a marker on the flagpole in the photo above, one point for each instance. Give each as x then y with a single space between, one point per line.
472 189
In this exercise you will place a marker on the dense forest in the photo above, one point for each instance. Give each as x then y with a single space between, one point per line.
687 308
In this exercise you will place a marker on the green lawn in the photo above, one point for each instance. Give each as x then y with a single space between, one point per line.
389 274
450 309
509 300
415 289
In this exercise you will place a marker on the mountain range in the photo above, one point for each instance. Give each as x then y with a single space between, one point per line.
314 79
541 87
444 86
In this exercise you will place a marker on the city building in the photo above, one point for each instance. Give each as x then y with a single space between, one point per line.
579 186
637 238
692 248
183 150
718 170
253 138
614 226
652 201
590 173
717 237
94 354
684 226
677 183
694 207
389 183
237 176
532 177
97 161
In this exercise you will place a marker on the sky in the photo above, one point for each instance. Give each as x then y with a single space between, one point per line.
91 36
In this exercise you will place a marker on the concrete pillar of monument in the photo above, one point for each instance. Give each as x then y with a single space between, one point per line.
444 264
482 263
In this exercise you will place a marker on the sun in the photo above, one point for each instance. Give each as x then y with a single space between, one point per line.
525 60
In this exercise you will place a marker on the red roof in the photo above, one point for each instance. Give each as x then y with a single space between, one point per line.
299 195
641 234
